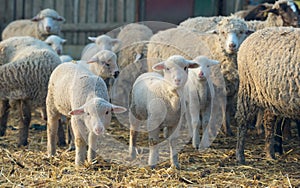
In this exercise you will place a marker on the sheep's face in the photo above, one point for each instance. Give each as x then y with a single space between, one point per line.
203 71
96 114
56 43
232 32
48 21
175 70
104 64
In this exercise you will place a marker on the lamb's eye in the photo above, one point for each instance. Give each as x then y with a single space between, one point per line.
107 64
185 68
167 68
241 32
106 112
87 113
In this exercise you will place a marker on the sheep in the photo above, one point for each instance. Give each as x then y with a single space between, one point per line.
259 12
159 100
103 63
102 42
198 92
65 58
45 23
85 99
268 70
25 65
281 14
231 32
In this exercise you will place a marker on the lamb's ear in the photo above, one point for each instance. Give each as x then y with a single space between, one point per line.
60 19
214 62
249 32
115 41
274 11
212 32
159 66
63 41
93 39
117 109
192 64
78 111
93 60
36 18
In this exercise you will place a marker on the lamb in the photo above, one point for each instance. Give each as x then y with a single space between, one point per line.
103 63
56 44
268 68
281 14
198 92
85 99
159 100
102 42
222 46
25 67
45 23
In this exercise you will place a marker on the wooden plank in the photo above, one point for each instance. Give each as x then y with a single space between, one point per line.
120 10
19 10
75 21
130 11
49 4
110 11
92 11
101 11
82 19
37 6
69 16
92 27
9 11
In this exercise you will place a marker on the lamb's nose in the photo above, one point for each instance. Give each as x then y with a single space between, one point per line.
116 74
48 28
232 45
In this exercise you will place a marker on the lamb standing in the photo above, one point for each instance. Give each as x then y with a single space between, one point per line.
159 100
47 22
269 80
199 91
85 98
25 67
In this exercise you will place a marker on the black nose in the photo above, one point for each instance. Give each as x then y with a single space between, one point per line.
116 74
232 45
48 28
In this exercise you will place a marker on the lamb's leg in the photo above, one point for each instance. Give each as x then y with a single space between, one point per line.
80 143
298 127
278 136
173 138
134 127
92 147
153 147
61 134
4 111
259 122
25 112
70 136
287 133
195 122
269 122
52 127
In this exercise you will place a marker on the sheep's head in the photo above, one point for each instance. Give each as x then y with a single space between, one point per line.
104 64
56 43
48 21
175 70
96 114
232 31
203 71
285 13
105 42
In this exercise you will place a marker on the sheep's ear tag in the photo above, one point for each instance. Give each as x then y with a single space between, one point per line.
92 60
75 112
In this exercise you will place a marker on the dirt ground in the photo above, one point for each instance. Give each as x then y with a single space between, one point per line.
215 167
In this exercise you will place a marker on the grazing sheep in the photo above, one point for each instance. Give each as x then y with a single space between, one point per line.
199 91
268 69
47 22
103 63
85 99
159 100
102 42
281 14
222 46
25 67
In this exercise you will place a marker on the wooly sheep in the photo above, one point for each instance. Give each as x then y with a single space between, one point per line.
46 23
268 69
56 43
159 100
198 92
102 42
222 46
103 63
25 67
281 14
85 99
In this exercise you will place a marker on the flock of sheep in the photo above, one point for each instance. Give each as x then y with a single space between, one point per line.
175 77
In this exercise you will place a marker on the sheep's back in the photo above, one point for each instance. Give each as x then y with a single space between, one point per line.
19 28
268 65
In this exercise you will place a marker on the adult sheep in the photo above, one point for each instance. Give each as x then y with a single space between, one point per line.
85 99
46 22
221 45
269 80
159 100
25 68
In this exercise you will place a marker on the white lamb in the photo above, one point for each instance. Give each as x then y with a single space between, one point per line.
198 92
46 23
159 100
102 42
85 98
56 44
